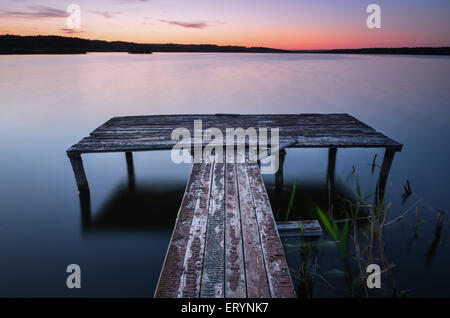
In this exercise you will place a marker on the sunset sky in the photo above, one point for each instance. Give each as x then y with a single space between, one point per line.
287 24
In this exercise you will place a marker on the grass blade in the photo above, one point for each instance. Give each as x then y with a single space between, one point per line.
324 219
343 242
291 200
358 189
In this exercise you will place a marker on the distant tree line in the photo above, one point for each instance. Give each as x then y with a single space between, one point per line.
10 44
387 50
50 44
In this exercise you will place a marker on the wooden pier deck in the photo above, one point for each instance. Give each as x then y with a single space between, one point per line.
225 242
143 133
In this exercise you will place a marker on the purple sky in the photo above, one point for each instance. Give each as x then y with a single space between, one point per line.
290 24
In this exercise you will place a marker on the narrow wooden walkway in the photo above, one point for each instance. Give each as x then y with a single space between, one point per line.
225 242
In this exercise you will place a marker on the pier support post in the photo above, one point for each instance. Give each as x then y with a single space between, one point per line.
279 179
384 173
85 207
78 170
332 153
130 169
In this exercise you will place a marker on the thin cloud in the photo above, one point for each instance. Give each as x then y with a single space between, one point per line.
127 1
71 31
189 25
36 12
107 14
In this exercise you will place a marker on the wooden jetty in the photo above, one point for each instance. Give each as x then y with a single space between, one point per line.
225 242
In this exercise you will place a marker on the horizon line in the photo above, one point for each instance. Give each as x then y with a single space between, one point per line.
226 45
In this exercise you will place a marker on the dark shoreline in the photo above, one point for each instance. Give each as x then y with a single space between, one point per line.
442 51
14 44
41 51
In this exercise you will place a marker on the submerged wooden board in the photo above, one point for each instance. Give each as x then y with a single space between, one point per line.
141 133
293 228
232 247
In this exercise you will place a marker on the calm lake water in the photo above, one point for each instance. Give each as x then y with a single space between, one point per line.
48 103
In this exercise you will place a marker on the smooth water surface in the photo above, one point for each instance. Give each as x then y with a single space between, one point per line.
48 103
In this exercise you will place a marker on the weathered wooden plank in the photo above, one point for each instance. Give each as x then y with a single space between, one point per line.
254 117
157 123
92 144
344 141
218 121
320 139
269 119
255 270
306 116
235 286
278 275
195 247
155 137
150 147
169 279
213 269
292 228
150 131
165 136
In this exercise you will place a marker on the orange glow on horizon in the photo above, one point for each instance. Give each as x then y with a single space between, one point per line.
308 26
289 40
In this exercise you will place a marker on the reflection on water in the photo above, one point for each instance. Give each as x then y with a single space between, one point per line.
48 103
132 209
307 196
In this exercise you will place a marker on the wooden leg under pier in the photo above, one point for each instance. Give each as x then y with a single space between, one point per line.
384 173
130 169
332 153
85 207
279 179
78 170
